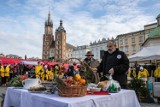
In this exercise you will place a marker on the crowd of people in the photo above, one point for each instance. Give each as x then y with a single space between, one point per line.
144 72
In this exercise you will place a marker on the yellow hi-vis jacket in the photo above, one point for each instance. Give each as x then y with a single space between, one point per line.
157 72
129 73
143 74
4 72
49 75
38 70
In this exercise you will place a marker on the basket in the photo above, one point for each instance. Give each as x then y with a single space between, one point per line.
72 91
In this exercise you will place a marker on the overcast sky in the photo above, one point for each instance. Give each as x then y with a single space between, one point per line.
22 21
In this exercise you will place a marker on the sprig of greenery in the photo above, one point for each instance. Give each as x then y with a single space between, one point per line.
15 82
59 81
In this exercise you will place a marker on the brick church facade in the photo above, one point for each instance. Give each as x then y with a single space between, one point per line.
54 47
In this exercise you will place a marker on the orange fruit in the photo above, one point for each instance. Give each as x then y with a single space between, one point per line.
77 77
82 81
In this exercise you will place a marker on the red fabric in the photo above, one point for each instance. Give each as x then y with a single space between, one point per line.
98 93
9 60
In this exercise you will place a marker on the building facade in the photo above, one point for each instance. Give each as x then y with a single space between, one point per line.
80 52
55 48
97 47
131 43
60 43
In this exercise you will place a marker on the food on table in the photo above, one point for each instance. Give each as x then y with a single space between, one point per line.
82 81
77 77
102 84
37 88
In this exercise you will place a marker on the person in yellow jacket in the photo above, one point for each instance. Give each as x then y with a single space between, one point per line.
5 71
157 73
49 74
131 73
143 74
1 69
38 70
58 71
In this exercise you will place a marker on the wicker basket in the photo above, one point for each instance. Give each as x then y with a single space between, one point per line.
72 91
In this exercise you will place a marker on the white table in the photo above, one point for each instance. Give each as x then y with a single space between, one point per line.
23 98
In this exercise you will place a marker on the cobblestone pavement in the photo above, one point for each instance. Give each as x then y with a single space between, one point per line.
3 89
149 105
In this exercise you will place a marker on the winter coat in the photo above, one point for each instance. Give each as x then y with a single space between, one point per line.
119 62
143 74
131 73
4 71
93 76
38 70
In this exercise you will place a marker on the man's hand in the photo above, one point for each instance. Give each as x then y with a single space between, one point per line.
111 71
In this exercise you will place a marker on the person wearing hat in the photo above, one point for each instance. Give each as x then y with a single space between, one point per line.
89 58
92 63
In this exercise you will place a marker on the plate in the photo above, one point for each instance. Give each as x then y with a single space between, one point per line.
94 89
36 91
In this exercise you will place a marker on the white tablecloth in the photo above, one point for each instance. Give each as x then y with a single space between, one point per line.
23 98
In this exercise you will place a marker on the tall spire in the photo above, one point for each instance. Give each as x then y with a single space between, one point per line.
49 16
49 21
61 22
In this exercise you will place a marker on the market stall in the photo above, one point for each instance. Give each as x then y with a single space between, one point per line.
9 60
29 62
146 54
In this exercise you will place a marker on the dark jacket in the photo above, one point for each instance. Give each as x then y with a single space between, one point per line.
119 62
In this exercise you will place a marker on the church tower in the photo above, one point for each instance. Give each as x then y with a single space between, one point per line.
60 43
48 38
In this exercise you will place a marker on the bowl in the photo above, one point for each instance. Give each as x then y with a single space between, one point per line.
48 84
92 85
95 89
